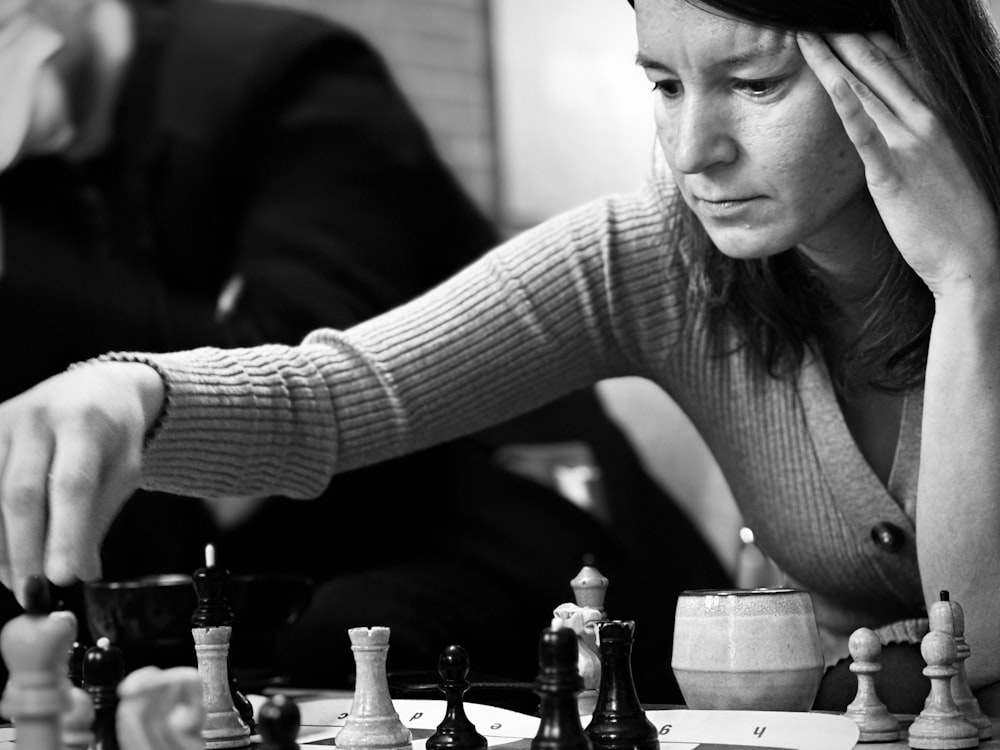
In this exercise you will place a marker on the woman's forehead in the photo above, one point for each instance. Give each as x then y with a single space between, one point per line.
670 29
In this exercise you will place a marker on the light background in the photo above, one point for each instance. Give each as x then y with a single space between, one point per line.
574 112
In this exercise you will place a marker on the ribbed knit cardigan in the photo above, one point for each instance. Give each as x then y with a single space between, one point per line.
591 294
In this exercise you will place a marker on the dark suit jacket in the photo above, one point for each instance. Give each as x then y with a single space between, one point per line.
266 145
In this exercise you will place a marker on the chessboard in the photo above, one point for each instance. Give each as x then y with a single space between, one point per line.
323 715
581 653
677 728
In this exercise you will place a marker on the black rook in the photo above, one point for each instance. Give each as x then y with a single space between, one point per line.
619 723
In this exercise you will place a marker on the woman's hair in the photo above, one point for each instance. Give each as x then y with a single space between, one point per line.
777 303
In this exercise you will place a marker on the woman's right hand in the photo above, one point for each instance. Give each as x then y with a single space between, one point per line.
70 455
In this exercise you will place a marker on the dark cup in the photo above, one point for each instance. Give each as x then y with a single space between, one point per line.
149 618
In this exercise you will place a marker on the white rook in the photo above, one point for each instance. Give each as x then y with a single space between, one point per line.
223 726
372 723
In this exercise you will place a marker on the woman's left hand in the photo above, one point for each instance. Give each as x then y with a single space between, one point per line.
936 212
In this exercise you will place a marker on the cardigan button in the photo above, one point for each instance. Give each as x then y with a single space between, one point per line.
888 536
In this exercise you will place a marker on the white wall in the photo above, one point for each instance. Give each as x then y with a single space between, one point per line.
575 122
574 112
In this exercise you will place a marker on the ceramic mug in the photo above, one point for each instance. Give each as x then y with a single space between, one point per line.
747 649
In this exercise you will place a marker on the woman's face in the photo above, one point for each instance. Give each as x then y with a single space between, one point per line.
750 135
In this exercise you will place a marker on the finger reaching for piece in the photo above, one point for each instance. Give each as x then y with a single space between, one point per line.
75 493
70 455
22 501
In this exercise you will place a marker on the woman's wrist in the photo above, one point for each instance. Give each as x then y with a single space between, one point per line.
979 282
152 394
973 299
138 377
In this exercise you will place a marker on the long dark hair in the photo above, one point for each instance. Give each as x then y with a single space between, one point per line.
777 303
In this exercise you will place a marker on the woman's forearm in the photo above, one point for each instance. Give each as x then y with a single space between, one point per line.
958 509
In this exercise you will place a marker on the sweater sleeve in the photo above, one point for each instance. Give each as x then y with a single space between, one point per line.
526 324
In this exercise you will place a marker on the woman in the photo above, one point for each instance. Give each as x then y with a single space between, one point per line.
814 280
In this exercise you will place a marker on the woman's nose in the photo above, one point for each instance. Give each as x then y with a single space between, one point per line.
701 137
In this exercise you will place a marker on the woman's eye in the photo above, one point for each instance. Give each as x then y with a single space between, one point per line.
759 87
669 89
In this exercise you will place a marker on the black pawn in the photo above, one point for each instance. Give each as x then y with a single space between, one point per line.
619 723
557 685
278 722
455 732
103 670
211 586
77 653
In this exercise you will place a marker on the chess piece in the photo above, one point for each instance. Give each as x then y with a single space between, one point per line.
103 670
34 648
941 725
582 621
223 726
590 588
372 723
78 722
279 720
211 585
949 617
75 668
74 657
161 709
619 723
874 721
455 732
557 684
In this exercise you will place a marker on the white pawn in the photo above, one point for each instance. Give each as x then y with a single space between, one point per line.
372 723
941 726
35 647
874 721
949 617
78 721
